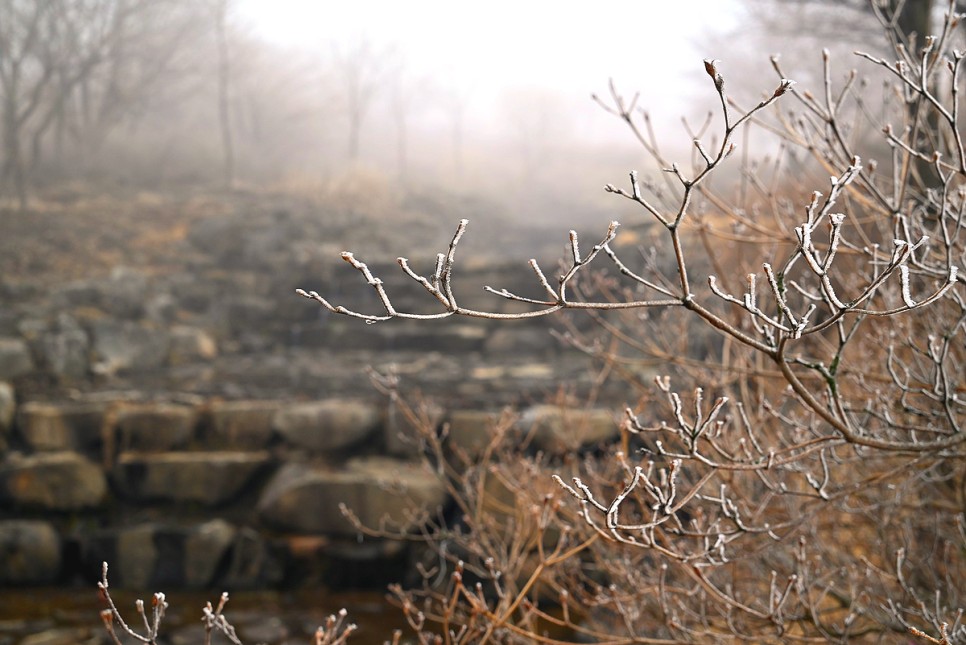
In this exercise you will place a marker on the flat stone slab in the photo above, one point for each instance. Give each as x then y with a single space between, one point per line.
377 490
29 552
8 406
15 358
559 429
240 425
190 345
208 478
125 345
471 430
155 427
326 425
55 481
155 555
47 426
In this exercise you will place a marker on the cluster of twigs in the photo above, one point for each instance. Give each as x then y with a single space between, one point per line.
819 494
812 486
112 615
335 631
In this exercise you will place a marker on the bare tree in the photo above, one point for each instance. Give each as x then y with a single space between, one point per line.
405 91
224 75
363 71
455 101
46 49
538 130
808 484
81 68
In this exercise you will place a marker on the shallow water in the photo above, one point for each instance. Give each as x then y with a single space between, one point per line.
61 616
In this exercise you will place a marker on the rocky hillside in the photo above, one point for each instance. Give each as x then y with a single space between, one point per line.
169 404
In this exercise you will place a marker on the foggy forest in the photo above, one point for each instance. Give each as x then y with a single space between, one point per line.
439 323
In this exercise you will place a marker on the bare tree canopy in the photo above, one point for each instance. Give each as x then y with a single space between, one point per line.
82 67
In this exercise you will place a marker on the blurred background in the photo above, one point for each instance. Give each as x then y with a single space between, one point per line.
171 95
172 170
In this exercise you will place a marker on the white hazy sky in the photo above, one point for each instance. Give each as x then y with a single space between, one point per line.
483 48
509 42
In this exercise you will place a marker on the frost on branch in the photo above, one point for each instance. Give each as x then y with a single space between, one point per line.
767 499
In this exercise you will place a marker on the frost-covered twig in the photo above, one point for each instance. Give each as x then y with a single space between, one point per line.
111 615
214 619
335 631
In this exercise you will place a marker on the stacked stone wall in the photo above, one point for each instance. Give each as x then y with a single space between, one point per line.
234 494
188 418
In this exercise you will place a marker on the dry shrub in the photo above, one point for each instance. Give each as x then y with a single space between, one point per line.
796 472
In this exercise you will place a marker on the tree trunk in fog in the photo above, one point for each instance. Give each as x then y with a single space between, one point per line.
363 71
224 113
46 50
355 124
19 34
402 156
457 112
401 102
455 101
13 166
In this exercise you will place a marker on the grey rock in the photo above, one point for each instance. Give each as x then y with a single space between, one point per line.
32 328
79 293
30 552
64 636
208 478
161 308
128 346
240 425
347 562
326 425
155 426
57 481
204 548
521 341
219 237
193 634
61 344
247 312
190 345
559 430
153 555
266 629
191 293
15 358
135 557
450 339
253 563
47 426
8 407
125 292
66 352
471 430
305 499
